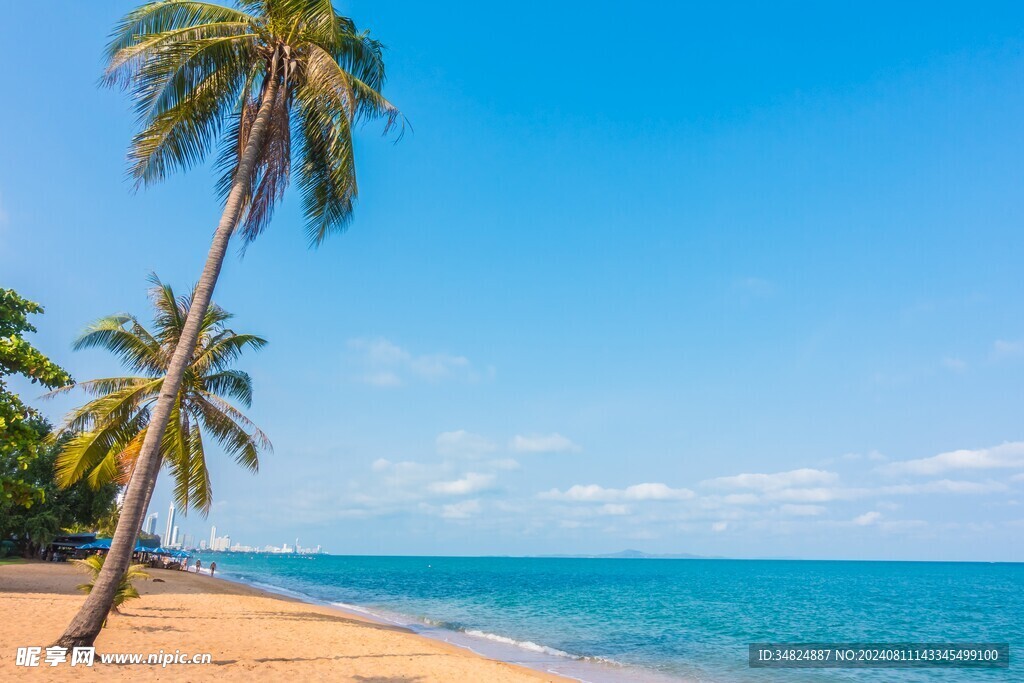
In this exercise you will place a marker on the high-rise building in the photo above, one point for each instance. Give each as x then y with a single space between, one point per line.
174 536
150 526
213 535
167 540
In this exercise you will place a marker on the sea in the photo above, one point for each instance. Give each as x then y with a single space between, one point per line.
657 620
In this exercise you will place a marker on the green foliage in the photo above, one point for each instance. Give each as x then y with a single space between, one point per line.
125 589
198 73
17 356
103 437
78 508
21 429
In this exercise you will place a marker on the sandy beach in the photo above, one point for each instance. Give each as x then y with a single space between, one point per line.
250 634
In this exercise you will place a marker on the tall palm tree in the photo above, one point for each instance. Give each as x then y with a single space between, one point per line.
108 431
264 79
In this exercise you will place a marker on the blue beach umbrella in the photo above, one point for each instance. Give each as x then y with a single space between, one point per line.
104 544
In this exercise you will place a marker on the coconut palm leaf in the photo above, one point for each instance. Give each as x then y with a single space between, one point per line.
108 431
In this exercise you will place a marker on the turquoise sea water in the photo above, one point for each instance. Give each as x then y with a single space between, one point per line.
618 619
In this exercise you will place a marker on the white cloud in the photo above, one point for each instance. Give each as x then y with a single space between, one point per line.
436 366
470 483
599 494
792 510
954 364
382 379
943 486
778 480
719 527
868 518
813 495
543 443
504 464
461 510
461 443
741 499
614 509
385 364
854 457
1005 456
1002 349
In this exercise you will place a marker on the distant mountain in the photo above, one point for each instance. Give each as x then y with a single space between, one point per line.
640 555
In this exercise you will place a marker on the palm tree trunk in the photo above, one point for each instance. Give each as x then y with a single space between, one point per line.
86 625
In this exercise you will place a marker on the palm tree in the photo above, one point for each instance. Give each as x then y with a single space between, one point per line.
126 590
265 79
108 430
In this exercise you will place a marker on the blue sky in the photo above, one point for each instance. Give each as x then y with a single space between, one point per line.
728 280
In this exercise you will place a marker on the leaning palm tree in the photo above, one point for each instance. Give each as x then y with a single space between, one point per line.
265 79
109 429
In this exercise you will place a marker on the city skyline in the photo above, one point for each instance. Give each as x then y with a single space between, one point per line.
189 538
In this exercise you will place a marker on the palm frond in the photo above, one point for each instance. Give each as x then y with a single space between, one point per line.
230 384
100 387
161 17
123 336
183 112
360 99
238 436
199 474
88 450
327 174
113 407
126 65
224 349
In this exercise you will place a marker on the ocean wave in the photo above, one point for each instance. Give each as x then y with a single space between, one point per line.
521 644
360 610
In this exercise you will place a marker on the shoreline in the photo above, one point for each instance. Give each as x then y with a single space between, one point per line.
538 658
246 629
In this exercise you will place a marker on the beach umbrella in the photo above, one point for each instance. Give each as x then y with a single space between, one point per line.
104 544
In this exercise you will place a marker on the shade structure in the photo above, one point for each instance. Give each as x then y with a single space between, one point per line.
104 544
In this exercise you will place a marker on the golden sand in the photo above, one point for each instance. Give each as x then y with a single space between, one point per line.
252 635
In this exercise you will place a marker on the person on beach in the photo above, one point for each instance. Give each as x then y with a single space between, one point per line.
213 568
199 565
